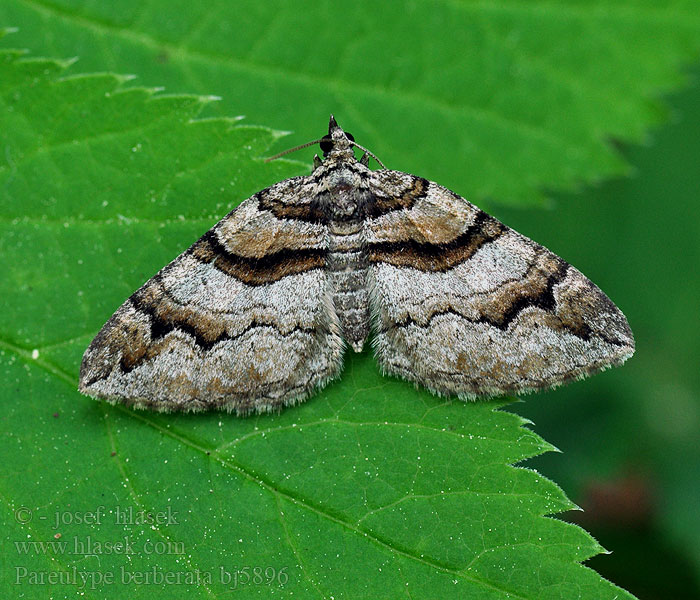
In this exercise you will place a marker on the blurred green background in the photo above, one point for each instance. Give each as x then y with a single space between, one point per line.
630 438
443 90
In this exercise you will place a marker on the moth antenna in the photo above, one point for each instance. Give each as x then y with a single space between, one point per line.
379 162
307 144
276 156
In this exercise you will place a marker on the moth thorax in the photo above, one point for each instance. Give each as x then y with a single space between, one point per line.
344 196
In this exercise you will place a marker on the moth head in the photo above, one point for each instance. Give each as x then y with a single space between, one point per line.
337 143
337 140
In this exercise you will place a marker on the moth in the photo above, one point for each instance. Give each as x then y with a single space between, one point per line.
257 314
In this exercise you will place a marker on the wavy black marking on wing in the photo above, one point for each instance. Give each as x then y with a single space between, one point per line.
256 271
430 257
404 198
165 316
507 310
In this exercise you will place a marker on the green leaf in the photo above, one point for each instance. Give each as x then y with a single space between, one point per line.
498 100
370 489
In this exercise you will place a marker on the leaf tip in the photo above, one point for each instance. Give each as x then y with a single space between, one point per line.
68 62
545 447
279 133
207 99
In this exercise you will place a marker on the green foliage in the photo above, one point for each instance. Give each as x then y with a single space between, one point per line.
372 488
497 100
